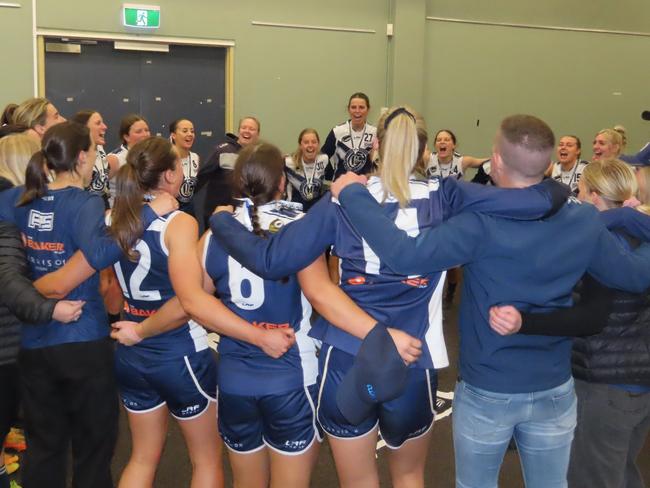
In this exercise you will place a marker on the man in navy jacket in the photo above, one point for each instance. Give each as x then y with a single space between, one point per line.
514 385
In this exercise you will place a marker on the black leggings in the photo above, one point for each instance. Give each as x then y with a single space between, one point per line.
9 398
69 397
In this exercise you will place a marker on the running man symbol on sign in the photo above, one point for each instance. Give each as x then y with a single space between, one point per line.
142 18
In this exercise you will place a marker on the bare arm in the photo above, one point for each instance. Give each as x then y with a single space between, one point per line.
59 283
187 279
472 162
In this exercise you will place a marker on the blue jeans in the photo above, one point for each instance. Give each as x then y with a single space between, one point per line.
541 422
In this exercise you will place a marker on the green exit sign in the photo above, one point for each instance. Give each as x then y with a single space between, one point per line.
142 16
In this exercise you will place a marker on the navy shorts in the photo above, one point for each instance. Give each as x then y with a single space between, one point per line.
285 423
187 384
406 417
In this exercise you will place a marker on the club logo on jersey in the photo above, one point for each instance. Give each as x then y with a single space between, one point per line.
417 282
432 171
99 181
275 226
41 221
187 189
355 160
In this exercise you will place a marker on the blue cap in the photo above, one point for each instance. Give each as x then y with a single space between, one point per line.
377 375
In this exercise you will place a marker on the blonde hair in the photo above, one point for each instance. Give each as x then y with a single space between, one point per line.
623 132
614 137
612 179
399 150
31 112
15 152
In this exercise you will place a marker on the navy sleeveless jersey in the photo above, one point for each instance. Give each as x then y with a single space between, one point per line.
146 287
408 303
53 228
244 369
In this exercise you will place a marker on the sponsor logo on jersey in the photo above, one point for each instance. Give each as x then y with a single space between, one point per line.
41 221
357 280
270 325
416 282
56 247
137 312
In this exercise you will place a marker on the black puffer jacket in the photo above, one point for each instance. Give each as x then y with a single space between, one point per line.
213 186
19 300
620 354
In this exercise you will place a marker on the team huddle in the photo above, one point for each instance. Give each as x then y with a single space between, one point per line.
136 253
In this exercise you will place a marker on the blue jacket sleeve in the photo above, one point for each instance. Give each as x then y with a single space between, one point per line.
93 239
642 158
295 247
453 243
91 235
632 221
531 203
619 268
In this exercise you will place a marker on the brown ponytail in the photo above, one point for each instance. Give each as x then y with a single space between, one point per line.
257 175
145 164
61 146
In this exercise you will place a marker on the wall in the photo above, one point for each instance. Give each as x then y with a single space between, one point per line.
456 74
289 78
579 82
16 52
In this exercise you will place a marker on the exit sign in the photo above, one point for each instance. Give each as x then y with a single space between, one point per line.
142 16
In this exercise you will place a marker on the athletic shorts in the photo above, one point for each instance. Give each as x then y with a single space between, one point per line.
187 384
285 422
408 416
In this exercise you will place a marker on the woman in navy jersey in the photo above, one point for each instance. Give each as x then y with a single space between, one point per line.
306 170
174 371
181 134
267 406
348 145
410 305
169 368
68 385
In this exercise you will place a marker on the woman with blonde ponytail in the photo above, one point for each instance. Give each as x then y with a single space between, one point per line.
376 300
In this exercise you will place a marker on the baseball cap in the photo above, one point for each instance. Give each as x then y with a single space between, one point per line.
378 374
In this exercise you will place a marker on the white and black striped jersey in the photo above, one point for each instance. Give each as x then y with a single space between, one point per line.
190 170
571 177
349 150
443 170
99 179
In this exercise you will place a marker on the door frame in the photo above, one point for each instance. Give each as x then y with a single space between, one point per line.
41 34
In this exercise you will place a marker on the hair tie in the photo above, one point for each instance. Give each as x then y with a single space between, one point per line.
396 112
